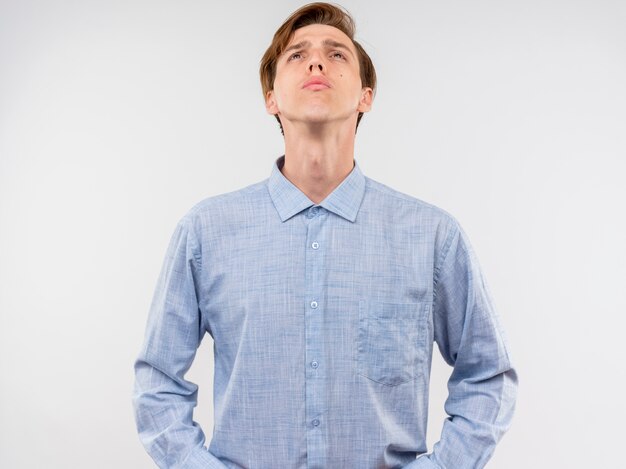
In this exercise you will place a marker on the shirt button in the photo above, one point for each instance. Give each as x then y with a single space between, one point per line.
314 364
315 422
315 245
313 304
314 210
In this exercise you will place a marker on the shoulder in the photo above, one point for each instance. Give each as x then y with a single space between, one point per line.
220 205
383 198
223 209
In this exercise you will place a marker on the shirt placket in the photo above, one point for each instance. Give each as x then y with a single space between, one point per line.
315 368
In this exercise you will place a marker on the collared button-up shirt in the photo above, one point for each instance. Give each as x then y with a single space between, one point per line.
323 318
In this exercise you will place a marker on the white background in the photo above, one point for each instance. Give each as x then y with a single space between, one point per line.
117 116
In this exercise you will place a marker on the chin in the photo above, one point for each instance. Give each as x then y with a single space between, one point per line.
318 116
314 115
317 119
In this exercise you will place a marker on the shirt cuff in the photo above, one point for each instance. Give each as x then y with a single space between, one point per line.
201 458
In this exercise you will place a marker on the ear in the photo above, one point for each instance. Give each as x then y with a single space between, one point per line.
270 103
367 97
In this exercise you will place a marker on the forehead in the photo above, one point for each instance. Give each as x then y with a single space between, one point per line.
316 33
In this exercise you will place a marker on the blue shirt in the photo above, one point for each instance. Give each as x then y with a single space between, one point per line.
323 318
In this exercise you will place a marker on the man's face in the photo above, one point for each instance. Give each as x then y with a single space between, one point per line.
317 79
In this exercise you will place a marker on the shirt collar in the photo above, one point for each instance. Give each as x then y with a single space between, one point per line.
344 200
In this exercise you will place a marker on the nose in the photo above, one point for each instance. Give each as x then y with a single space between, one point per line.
316 61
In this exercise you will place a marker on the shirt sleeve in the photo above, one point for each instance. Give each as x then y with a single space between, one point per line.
483 384
163 400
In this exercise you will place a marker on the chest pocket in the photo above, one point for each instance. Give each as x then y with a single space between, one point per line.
391 340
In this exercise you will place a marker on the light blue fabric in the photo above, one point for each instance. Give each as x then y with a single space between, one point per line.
323 319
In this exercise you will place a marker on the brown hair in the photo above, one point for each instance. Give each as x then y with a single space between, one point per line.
314 13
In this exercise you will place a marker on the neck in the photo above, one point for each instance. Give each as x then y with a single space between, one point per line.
318 157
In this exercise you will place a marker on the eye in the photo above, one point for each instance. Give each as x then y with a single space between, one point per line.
335 54
294 55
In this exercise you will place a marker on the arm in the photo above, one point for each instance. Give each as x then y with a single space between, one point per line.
483 384
163 400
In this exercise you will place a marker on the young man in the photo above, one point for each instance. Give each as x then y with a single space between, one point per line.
324 292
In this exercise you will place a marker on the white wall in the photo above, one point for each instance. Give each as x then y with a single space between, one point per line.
116 117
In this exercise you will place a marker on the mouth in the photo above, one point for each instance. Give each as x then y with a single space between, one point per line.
317 83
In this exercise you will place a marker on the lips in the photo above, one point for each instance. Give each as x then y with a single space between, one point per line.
316 83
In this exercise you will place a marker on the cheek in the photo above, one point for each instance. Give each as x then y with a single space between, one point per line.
280 81
278 91
350 84
349 77
283 85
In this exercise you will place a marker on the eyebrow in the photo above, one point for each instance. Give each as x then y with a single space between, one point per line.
325 42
